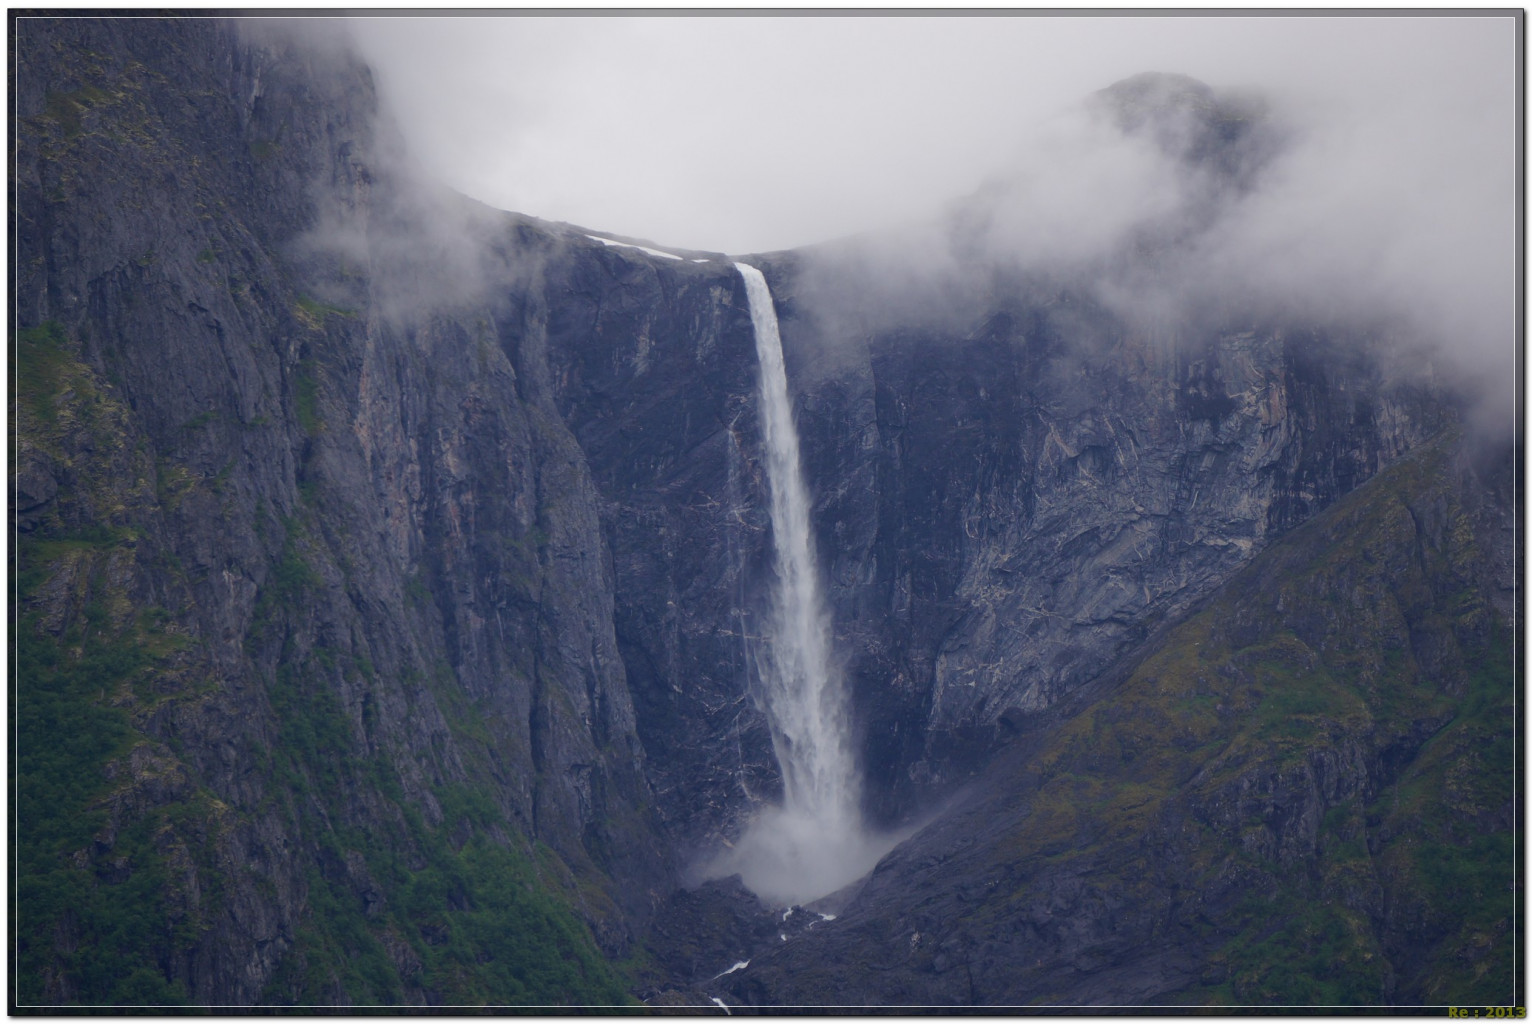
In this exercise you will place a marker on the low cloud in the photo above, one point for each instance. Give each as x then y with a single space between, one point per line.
386 234
1402 213
1379 192
1367 214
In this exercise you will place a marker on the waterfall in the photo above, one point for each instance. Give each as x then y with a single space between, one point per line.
815 842
804 699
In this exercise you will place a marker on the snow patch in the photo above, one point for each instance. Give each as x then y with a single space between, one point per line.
722 1004
630 245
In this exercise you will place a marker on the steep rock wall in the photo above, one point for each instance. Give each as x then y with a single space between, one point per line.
1004 504
1303 795
441 533
352 531
1015 499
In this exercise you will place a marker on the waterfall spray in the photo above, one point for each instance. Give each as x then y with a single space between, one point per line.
815 842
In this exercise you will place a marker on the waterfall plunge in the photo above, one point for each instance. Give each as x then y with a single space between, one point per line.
814 843
806 705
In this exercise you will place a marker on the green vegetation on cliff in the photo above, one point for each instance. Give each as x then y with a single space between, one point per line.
123 857
1324 758
1304 795
99 904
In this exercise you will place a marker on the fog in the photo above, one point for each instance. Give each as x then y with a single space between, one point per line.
744 134
1392 191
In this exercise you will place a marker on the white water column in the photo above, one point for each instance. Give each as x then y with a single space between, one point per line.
804 700
814 843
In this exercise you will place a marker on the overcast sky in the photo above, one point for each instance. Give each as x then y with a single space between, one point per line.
746 134
1395 191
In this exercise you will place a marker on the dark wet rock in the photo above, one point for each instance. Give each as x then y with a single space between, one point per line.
410 558
1239 791
703 932
359 553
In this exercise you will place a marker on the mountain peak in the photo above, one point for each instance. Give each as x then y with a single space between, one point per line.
1187 119
1154 93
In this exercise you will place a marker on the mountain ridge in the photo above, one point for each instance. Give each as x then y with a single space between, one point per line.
388 568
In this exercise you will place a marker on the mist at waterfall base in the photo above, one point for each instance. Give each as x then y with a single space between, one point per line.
815 842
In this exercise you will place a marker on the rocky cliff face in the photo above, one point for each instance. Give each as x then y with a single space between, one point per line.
399 564
1304 794
357 550
1034 493
1006 505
